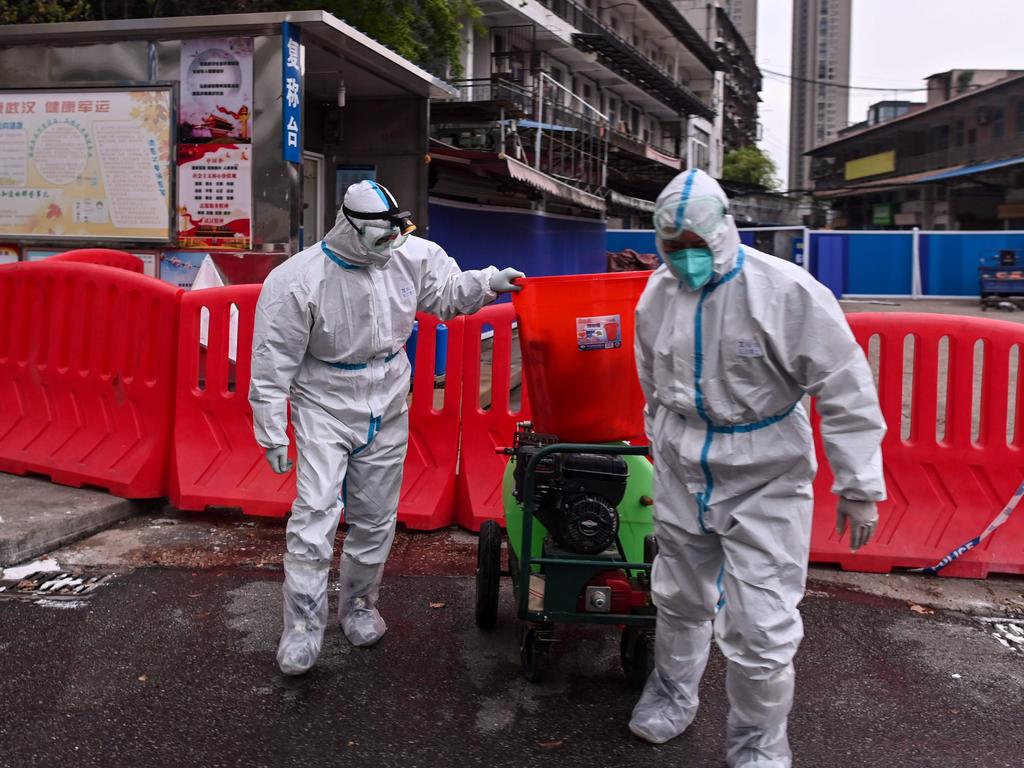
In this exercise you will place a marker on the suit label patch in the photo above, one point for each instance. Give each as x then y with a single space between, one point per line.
748 348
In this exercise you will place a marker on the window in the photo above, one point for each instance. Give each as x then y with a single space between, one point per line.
958 133
997 123
972 135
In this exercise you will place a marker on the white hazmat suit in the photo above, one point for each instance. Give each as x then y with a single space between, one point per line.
723 368
331 325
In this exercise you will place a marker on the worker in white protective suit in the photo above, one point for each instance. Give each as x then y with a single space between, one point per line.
331 325
728 342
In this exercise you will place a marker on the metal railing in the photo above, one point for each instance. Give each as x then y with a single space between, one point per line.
494 89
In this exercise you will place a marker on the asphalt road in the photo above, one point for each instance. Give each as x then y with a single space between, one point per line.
175 667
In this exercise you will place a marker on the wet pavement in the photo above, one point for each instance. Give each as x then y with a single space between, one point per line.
174 666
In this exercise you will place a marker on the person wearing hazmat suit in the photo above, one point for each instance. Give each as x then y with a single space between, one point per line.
331 325
728 342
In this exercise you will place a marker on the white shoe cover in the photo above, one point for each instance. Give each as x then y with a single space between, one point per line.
357 605
305 613
669 701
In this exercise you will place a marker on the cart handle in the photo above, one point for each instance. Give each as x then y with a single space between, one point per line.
529 490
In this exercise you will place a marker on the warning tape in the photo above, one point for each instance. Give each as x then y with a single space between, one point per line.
963 549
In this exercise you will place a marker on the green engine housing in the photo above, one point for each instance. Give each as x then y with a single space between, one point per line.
635 522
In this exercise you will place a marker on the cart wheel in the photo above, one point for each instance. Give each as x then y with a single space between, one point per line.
488 574
637 652
533 653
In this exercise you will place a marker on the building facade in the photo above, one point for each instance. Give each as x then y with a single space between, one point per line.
581 109
955 162
744 16
740 79
820 71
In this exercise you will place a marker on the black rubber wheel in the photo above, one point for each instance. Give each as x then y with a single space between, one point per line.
637 652
533 653
488 574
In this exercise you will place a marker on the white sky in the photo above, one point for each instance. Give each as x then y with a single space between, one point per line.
895 43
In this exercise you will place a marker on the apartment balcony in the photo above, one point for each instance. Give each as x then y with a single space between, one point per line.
485 99
623 58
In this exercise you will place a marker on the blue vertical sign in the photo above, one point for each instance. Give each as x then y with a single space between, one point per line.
291 92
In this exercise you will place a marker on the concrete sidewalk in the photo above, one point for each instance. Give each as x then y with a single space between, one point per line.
37 516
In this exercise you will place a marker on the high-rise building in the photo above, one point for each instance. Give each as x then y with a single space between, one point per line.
744 15
819 103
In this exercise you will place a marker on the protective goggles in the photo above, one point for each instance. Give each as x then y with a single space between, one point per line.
703 215
399 222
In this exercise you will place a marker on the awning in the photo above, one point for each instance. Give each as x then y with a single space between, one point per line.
551 185
876 185
626 201
544 126
662 157
968 170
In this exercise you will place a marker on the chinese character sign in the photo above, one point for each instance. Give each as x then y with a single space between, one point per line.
216 90
214 200
83 164
291 92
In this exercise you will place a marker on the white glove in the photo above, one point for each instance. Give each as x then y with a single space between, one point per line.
862 516
277 457
501 281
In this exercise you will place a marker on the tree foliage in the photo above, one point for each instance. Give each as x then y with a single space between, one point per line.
41 11
427 32
751 165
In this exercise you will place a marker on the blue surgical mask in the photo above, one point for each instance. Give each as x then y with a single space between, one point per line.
691 265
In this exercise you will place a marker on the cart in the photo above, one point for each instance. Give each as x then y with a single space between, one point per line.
553 584
1001 281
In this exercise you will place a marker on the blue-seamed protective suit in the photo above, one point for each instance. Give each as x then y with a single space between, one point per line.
724 367
331 325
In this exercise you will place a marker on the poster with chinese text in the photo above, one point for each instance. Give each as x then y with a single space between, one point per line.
214 196
85 164
216 90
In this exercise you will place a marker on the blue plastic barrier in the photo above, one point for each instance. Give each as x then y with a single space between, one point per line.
828 261
879 265
531 241
639 240
949 262
440 348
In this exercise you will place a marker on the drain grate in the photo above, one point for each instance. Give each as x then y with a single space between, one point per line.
52 586
1008 632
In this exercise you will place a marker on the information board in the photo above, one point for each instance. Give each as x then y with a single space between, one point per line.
82 164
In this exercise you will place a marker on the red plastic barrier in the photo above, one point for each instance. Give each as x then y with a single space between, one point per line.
942 491
428 484
486 430
87 375
106 257
216 460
